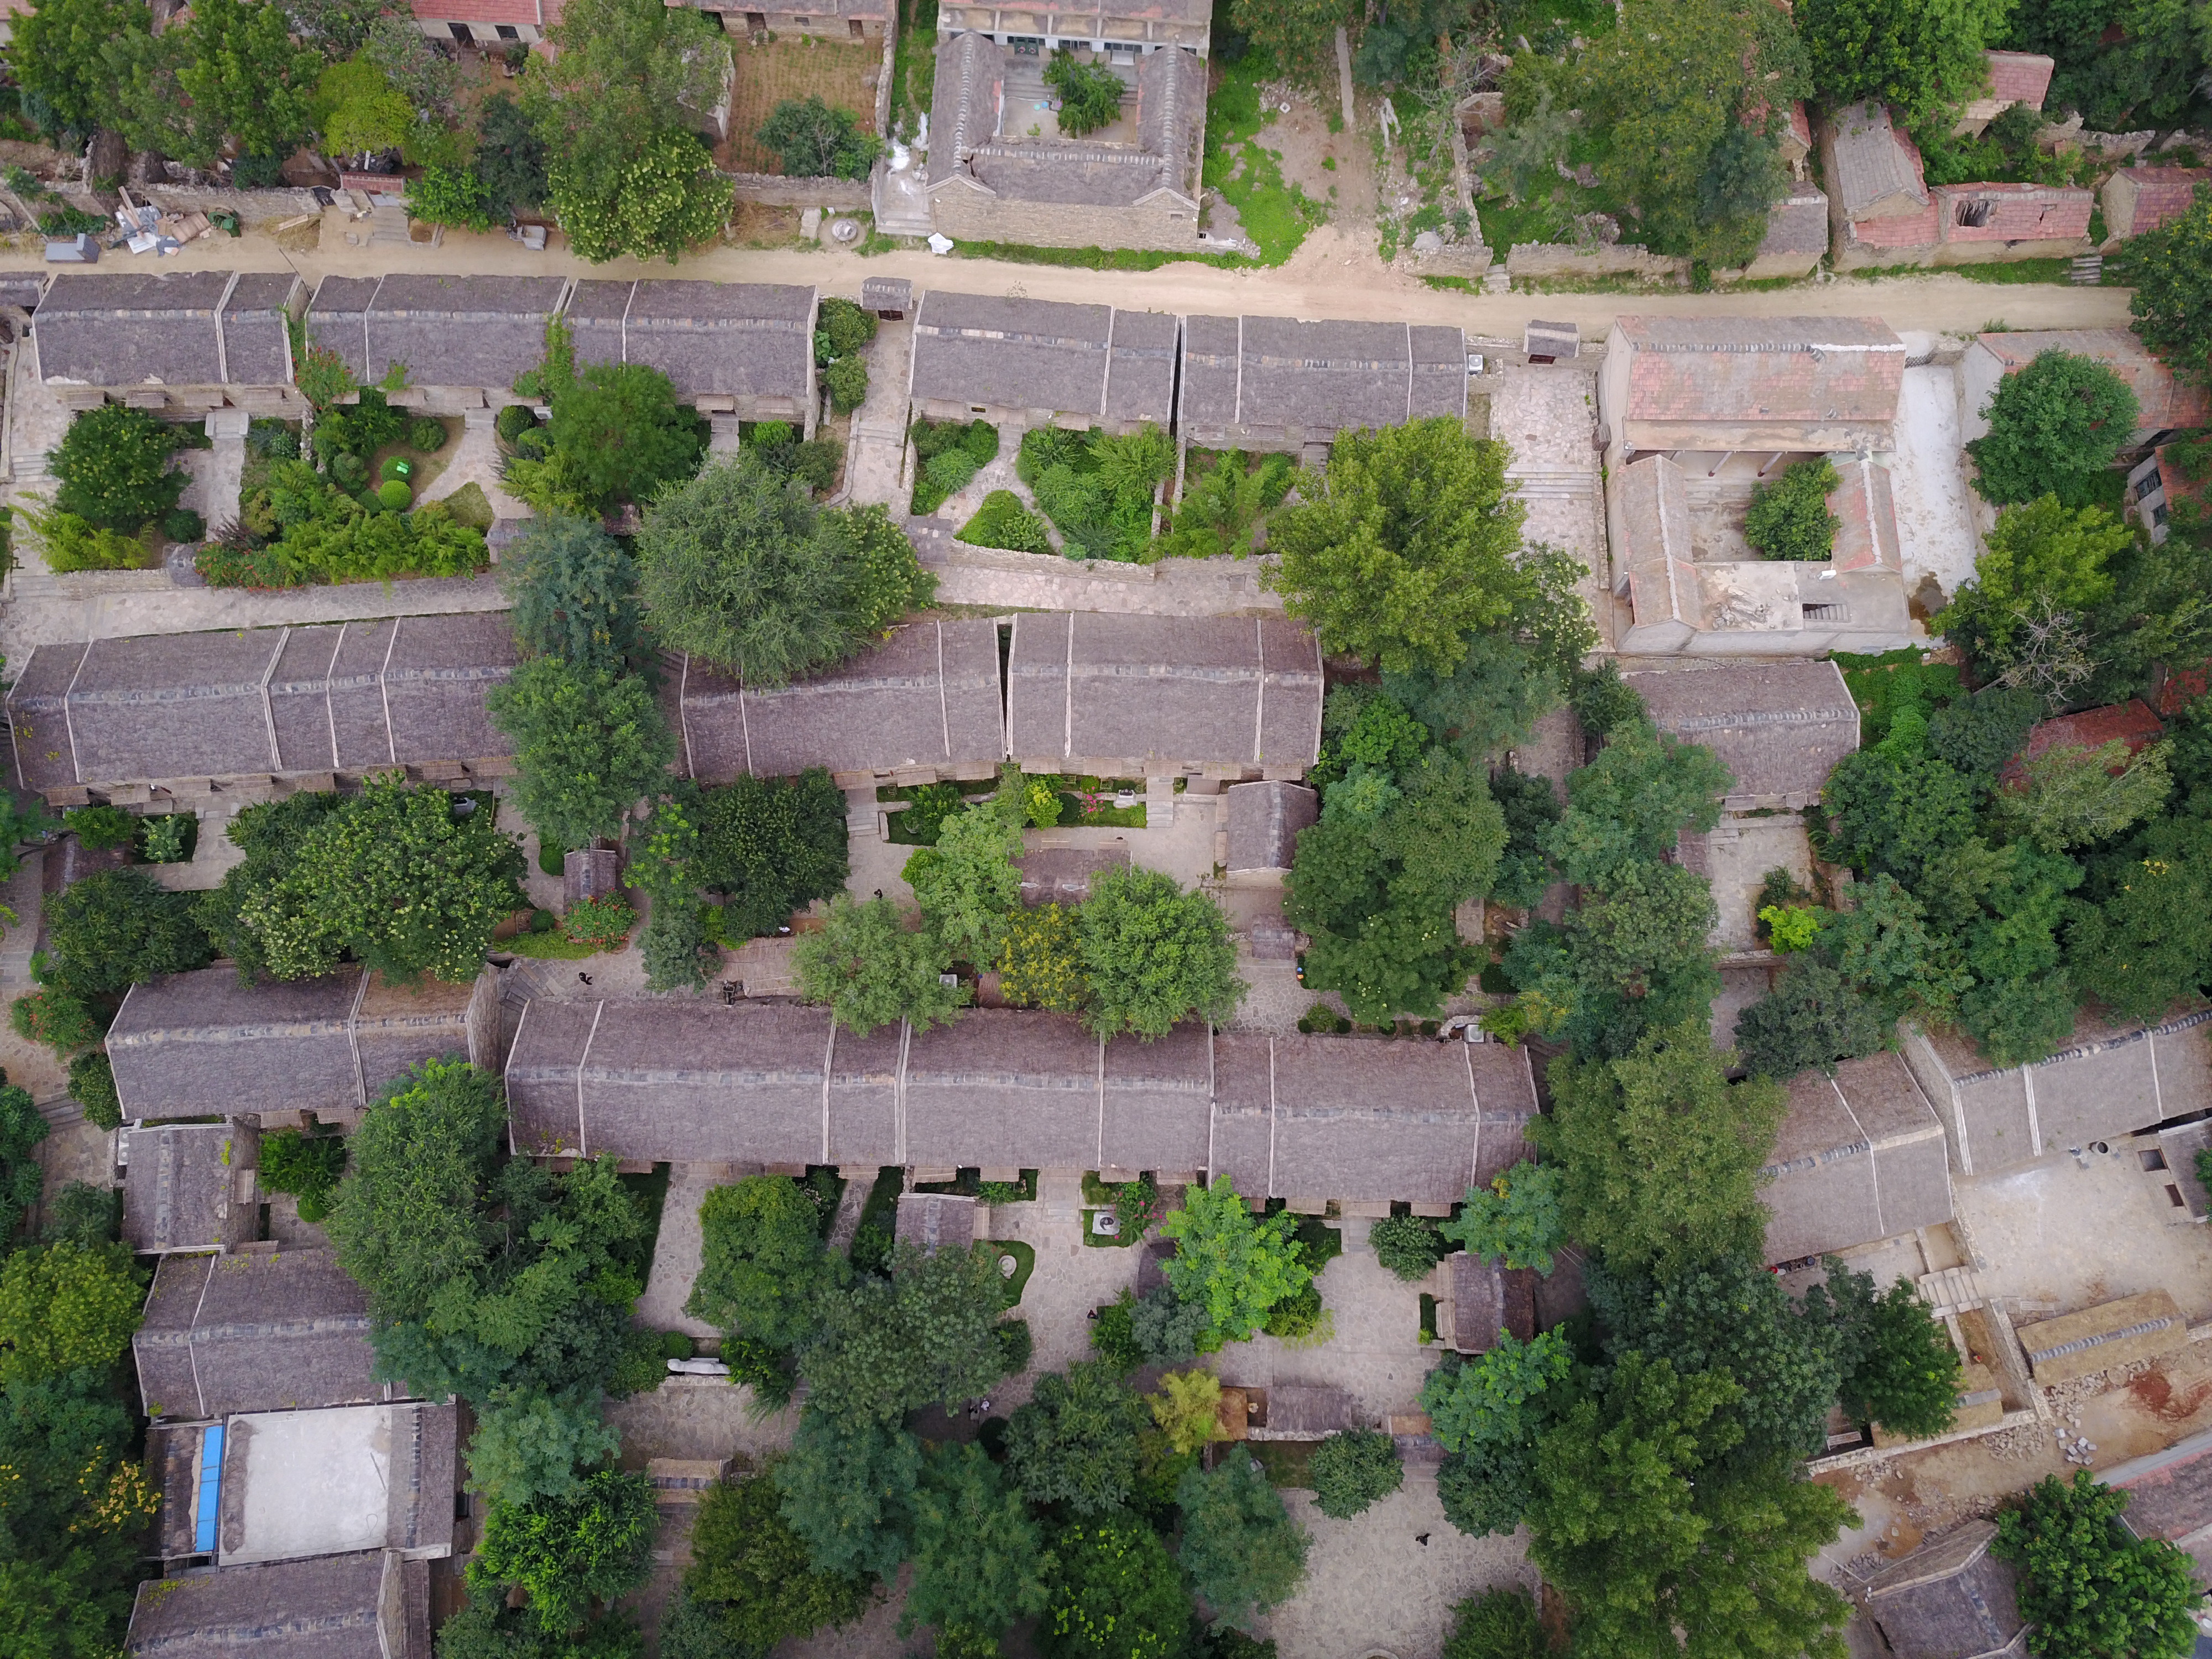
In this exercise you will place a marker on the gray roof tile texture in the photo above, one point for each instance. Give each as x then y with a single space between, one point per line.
992 353
1264 821
327 1607
1164 691
927 696
131 328
1326 376
478 331
1948 1600
258 1332
728 339
352 697
1861 1156
180 1190
1344 1118
1781 727
188 1043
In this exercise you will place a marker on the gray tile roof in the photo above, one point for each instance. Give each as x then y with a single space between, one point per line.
1872 169
1798 223
1171 113
970 81
181 1189
1860 1157
1159 693
1061 875
1321 376
122 329
1141 374
926 696
191 1043
1264 821
469 331
372 1604
2107 1081
1365 1121
254 1332
1780 727
351 697
750 340
986 352
936 1221
1950 1599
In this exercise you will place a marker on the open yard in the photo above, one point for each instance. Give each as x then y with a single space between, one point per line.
795 67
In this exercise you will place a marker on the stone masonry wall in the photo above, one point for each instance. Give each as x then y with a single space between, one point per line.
965 215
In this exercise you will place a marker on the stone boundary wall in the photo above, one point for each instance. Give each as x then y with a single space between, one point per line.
1599 259
773 190
252 207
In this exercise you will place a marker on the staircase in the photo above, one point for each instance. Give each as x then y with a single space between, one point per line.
1534 484
1952 1290
2087 271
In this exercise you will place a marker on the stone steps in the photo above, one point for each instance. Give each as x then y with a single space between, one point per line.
1951 1290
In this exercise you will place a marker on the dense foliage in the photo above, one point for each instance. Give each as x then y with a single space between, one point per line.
113 470
815 140
2089 1587
2055 427
1230 1263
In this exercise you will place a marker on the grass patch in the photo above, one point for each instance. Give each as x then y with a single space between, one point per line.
1024 1257
1275 216
1099 259
2017 271
551 946
914 64
1286 1463
1454 284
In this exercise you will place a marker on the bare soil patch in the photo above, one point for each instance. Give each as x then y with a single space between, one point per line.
844 77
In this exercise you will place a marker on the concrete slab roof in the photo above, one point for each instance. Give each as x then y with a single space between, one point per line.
337 1480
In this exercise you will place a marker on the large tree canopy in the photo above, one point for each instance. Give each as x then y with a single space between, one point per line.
1923 55
2170 271
1403 546
2055 428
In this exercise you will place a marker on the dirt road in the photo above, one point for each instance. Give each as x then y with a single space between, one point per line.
1335 274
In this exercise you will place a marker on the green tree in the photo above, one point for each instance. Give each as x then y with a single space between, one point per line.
1153 954
1243 1553
359 112
1402 547
977 1555
304 1165
92 1086
589 744
1885 949
1501 1624
1409 1246
1089 93
56 54
814 140
1228 1261
621 432
849 1491
2089 1589
268 837
1632 804
665 202
66 1307
1075 1441
529 1445
1352 1470
574 592
407 1219
2169 271
762 1264
1923 55
2147 945
112 468
2043 555
1187 1409
568 1553
872 971
116 929
510 158
1646 1539
247 80
742 568
1744 177
397 878
1112 1592
752 1573
1518 1218
2055 428
1672 84
1812 1018
1632 959
1660 1154
1296 34
1790 519
1041 963
925 1335
1978 735
2076 796
770 846
1899 1368
967 885
1891 815
78 1504
1493 1398
1730 1315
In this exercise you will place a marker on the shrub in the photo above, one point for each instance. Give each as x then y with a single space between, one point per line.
604 923
1408 1245
1041 964
1297 1314
450 196
63 1023
1790 519
395 493
815 140
114 468
307 1166
72 544
100 828
395 466
92 1086
846 326
1500 1625
1003 521
512 421
1352 1469
181 524
847 380
426 434
950 471
167 838
1089 93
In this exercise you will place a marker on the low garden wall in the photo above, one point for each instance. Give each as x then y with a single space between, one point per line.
1533 260
773 190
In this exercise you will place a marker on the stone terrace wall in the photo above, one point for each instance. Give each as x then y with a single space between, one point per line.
967 216
773 190
1599 259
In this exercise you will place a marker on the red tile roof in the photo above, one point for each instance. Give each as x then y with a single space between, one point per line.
2130 722
2018 77
2162 193
480 11
1780 369
2018 213
2183 686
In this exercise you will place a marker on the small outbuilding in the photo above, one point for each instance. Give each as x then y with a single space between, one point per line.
1859 1158
256 1330
191 1185
1950 1599
2170 1497
1488 1298
1062 875
936 1221
1779 727
2141 199
1264 821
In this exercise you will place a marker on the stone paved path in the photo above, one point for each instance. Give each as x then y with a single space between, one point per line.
1036 581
